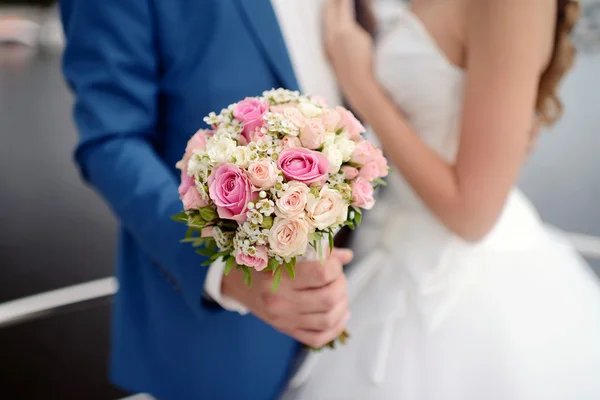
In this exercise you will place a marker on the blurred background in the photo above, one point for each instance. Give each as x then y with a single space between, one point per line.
57 237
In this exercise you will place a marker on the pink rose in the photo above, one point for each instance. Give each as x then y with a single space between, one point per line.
350 123
331 120
196 142
188 193
369 171
290 141
258 136
304 165
259 260
319 100
382 163
295 117
292 201
251 112
363 152
263 174
281 108
312 135
186 182
231 191
362 194
349 172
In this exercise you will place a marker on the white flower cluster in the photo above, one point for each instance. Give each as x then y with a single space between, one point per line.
281 96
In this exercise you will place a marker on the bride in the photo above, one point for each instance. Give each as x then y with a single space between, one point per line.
471 298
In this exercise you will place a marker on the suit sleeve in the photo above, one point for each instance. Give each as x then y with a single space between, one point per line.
111 65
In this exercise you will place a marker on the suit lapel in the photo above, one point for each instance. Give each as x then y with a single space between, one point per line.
262 23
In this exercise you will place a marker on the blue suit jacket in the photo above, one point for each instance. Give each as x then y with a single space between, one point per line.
145 73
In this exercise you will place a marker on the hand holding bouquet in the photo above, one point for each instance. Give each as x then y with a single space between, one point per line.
276 177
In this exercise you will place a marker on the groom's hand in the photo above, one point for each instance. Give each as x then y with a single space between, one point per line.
313 308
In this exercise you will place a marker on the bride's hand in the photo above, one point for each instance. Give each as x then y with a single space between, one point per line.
349 47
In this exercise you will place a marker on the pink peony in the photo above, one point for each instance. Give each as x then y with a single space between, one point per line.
207 232
231 191
258 261
350 123
304 165
362 194
349 172
312 134
263 174
186 182
251 112
290 141
369 171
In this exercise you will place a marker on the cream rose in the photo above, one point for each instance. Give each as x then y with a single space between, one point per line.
220 149
242 155
289 237
345 146
263 174
327 210
293 200
334 156
309 110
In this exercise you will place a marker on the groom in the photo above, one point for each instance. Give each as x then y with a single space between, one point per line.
144 74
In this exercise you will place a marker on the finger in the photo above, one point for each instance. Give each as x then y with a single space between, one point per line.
319 300
314 275
320 322
319 339
345 256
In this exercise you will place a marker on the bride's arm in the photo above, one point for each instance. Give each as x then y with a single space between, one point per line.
508 44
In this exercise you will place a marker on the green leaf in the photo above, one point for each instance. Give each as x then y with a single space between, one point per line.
181 217
229 265
197 222
276 280
206 252
208 213
211 244
273 263
339 131
290 270
293 262
189 233
380 182
357 219
316 236
330 241
247 275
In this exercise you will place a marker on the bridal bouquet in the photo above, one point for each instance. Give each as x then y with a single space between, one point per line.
274 179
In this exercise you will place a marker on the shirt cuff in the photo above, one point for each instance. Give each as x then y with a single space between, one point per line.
212 287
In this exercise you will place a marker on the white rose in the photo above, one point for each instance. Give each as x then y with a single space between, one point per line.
309 110
292 201
328 210
334 156
289 237
220 149
345 146
242 156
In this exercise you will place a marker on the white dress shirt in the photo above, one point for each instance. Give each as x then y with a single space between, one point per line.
301 25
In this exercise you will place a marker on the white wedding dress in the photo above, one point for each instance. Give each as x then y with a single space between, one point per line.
514 317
